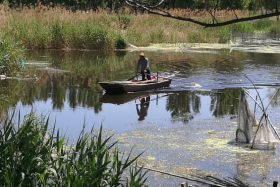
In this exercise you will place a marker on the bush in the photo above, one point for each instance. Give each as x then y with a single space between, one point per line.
124 20
32 156
120 42
11 54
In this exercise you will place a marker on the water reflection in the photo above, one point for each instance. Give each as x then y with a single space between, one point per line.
182 106
256 165
224 102
67 88
123 98
77 90
144 106
211 70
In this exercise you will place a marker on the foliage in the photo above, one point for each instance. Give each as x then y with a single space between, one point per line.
11 54
119 5
243 27
125 20
59 28
120 41
275 28
31 155
41 32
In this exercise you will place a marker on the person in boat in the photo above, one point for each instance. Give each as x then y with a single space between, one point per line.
143 62
144 105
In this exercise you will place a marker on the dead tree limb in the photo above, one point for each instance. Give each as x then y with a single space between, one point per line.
155 9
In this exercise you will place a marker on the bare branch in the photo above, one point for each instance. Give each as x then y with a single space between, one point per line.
213 13
158 11
213 16
261 6
137 5
233 9
166 12
206 25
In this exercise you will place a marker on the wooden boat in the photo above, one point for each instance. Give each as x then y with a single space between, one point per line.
117 87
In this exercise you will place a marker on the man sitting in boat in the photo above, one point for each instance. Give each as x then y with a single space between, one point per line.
145 69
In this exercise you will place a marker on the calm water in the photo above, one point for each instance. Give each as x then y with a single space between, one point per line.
188 128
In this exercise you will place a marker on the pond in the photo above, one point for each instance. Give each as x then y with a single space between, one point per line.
188 128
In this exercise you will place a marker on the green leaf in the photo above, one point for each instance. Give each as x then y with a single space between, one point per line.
51 170
42 178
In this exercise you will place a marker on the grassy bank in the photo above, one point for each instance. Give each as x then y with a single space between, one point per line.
34 154
57 28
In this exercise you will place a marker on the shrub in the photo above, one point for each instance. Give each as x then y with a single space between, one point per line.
31 155
120 42
11 54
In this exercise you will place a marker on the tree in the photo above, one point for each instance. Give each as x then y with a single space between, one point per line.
261 8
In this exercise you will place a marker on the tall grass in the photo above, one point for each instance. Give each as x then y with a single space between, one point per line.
33 155
58 34
46 27
11 53
57 28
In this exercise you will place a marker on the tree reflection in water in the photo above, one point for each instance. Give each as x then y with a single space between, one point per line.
185 105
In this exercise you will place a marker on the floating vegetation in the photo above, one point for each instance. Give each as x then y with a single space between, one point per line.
197 149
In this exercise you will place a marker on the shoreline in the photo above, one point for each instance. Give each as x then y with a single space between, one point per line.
265 47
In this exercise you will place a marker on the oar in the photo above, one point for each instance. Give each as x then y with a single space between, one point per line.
173 75
133 77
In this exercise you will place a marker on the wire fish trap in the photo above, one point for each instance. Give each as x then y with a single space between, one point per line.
263 138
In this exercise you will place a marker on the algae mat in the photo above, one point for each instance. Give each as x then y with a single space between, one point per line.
268 47
203 148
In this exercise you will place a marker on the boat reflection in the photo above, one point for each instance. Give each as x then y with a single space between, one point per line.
142 98
123 98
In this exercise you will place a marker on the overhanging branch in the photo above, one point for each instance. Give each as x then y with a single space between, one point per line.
206 25
157 11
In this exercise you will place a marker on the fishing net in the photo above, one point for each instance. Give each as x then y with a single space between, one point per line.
263 138
246 120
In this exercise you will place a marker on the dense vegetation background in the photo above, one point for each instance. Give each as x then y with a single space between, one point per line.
109 25
46 159
117 5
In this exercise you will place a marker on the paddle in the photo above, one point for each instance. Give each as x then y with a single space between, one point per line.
133 77
151 74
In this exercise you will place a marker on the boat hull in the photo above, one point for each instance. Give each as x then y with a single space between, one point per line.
125 86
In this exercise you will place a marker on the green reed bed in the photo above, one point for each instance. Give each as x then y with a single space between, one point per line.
57 28
11 53
146 29
34 155
56 34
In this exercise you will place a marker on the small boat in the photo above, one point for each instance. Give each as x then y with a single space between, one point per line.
134 85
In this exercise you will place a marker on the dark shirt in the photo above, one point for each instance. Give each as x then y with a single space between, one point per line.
144 63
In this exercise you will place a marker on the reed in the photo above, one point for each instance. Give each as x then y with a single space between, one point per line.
11 53
57 28
33 154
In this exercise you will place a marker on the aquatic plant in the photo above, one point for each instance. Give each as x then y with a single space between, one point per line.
11 53
31 154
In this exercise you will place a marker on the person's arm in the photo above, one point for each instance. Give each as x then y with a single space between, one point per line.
148 66
137 67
